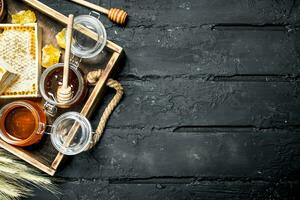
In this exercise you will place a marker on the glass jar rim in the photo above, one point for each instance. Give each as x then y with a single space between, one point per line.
86 129
101 39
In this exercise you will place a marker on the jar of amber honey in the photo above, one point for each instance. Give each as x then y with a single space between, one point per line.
22 123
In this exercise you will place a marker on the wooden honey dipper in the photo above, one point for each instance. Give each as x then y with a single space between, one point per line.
64 92
114 14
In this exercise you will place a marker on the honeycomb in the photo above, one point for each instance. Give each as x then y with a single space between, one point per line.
18 48
23 17
61 38
51 55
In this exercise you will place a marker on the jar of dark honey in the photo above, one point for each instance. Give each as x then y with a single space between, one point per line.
52 78
22 123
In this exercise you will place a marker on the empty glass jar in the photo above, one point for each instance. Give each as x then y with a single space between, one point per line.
83 46
71 133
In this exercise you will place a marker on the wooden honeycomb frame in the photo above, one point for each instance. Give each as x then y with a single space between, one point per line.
38 161
35 53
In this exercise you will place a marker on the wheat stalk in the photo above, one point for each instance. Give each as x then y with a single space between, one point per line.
17 179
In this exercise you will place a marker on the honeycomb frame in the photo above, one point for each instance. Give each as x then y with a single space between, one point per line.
28 48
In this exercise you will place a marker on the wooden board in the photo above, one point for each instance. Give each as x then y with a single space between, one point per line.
43 155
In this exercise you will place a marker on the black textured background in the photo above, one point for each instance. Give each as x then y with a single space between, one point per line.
211 109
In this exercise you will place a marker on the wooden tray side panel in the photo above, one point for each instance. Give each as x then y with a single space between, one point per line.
63 19
27 157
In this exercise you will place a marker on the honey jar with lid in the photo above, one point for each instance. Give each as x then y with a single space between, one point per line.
22 123
51 80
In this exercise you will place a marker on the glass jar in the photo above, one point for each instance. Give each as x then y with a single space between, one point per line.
83 46
52 78
71 133
22 123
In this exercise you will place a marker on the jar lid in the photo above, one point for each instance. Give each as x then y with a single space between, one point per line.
65 139
84 46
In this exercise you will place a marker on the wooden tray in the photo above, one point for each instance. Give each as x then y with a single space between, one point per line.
43 155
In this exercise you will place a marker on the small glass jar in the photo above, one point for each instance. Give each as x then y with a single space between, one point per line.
83 46
71 133
52 78
22 123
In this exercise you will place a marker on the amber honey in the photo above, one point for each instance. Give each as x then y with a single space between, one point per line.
22 123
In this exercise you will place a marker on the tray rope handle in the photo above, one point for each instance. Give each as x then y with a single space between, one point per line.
92 78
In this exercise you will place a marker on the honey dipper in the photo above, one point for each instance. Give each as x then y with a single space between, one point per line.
114 14
64 92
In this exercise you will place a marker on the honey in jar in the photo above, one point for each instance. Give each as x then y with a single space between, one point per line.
52 79
22 123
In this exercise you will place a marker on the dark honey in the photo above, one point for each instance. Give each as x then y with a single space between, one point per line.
54 80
